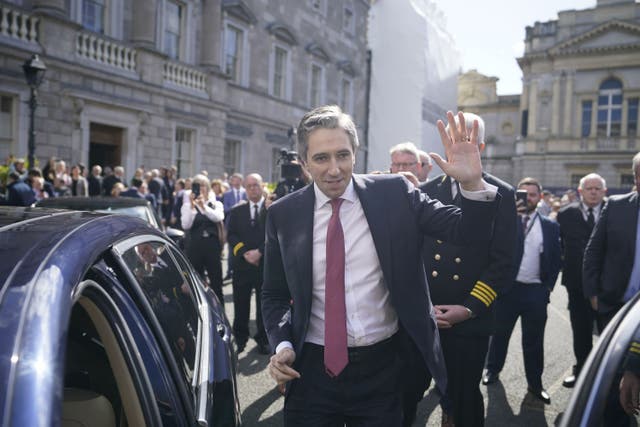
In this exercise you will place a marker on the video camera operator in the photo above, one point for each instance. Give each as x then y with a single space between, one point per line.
293 176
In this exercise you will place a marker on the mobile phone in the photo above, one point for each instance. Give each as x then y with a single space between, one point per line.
195 189
522 195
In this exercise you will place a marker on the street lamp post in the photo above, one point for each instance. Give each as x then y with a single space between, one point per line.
34 70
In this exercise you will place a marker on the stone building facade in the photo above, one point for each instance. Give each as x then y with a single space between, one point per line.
211 85
578 111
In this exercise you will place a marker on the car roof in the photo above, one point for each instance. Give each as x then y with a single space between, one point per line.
91 203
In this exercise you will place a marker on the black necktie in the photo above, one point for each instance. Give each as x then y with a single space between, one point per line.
525 221
591 220
254 219
458 197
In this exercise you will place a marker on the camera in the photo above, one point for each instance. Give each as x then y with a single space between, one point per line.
521 195
291 172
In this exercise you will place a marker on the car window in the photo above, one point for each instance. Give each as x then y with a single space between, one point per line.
165 286
134 211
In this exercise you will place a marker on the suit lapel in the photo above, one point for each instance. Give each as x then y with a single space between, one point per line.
302 223
377 215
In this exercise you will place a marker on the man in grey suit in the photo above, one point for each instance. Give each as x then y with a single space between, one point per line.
345 295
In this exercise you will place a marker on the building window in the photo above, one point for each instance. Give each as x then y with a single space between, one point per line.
172 29
231 156
6 118
183 152
346 95
233 50
349 20
575 179
587 107
632 117
610 108
316 85
280 65
93 13
524 127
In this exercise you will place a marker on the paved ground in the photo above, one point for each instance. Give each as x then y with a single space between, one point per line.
507 403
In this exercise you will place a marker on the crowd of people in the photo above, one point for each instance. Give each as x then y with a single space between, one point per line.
397 278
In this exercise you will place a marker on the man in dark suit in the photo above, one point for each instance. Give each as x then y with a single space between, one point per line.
576 223
611 269
345 296
110 180
236 193
538 261
464 282
18 192
246 239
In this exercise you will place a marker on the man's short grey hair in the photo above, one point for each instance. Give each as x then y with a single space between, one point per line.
406 147
468 121
591 176
118 171
325 117
635 164
425 158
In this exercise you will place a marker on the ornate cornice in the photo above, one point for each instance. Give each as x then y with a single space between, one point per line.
346 66
318 51
572 45
282 32
239 10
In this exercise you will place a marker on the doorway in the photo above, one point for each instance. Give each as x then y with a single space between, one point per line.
105 145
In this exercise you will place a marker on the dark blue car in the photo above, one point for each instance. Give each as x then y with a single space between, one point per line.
103 322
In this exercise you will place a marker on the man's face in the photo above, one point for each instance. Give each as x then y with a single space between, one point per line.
235 182
533 196
254 189
401 161
330 160
592 192
147 253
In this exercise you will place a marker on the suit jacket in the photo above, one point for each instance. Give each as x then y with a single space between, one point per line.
467 275
398 216
609 256
574 233
20 194
95 185
551 256
228 200
242 236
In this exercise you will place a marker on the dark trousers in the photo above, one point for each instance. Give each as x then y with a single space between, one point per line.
529 302
603 319
464 357
366 393
244 281
204 254
582 317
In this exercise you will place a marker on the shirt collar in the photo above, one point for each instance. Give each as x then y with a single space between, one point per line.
585 208
322 199
259 203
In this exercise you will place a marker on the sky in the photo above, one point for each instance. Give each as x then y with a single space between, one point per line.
490 33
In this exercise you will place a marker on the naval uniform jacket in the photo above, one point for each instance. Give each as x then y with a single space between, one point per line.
472 276
398 215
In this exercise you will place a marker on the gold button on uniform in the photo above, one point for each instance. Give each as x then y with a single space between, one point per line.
458 260
437 257
434 273
456 277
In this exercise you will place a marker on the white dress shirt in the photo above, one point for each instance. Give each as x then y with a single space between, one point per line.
188 213
585 211
529 271
252 209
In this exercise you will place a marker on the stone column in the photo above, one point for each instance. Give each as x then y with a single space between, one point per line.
533 106
144 23
569 117
555 107
211 34
51 7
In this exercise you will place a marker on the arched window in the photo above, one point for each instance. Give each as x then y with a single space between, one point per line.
610 108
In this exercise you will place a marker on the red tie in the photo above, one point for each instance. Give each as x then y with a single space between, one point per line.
335 312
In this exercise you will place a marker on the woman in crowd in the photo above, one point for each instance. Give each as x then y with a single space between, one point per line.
201 218
79 185
216 186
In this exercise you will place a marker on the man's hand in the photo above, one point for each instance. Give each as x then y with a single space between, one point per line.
594 303
629 391
463 154
252 257
411 177
280 366
449 315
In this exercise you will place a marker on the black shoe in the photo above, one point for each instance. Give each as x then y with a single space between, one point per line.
490 378
569 382
540 395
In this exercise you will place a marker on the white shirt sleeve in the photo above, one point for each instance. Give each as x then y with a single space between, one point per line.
486 195
284 344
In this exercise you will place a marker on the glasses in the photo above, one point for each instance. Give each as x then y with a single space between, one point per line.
403 165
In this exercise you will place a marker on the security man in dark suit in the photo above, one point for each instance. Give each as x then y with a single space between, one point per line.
464 282
611 269
246 241
576 223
